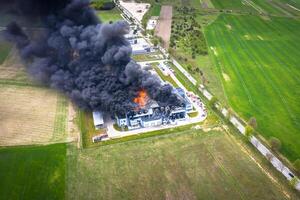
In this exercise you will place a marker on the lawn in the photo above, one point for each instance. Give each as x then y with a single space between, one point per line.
33 172
188 165
87 129
168 78
257 62
155 10
107 16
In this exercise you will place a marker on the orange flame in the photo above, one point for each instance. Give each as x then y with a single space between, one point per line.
141 99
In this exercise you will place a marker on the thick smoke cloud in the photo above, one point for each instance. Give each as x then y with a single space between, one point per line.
86 60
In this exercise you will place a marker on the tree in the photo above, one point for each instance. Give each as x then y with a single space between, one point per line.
230 113
275 143
297 165
269 156
155 41
294 181
213 101
249 131
252 122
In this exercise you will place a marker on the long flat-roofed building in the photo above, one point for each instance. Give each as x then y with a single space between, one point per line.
151 114
98 120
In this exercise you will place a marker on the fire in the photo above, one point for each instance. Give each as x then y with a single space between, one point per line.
141 99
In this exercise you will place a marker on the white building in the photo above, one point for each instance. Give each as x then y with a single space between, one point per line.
140 46
98 120
151 24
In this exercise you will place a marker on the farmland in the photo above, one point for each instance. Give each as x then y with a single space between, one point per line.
4 51
190 164
29 113
275 7
33 172
257 62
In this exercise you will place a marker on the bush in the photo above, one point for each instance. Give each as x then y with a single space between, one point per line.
297 165
212 101
275 143
294 182
249 131
252 122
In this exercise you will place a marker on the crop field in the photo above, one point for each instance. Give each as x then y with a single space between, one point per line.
275 7
232 4
109 15
30 115
33 172
257 62
192 165
13 71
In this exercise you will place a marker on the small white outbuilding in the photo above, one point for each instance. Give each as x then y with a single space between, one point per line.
98 120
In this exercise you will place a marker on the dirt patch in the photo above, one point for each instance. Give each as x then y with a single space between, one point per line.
163 28
226 77
73 131
214 50
247 37
229 27
260 37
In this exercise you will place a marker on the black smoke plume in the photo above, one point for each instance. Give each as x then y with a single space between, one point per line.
81 57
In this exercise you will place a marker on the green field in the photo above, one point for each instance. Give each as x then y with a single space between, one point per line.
231 4
4 51
274 7
33 172
155 10
189 165
257 62
87 128
107 16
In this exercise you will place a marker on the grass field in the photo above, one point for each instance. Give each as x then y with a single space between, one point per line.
87 128
109 15
4 50
232 4
257 62
155 10
275 7
33 172
192 165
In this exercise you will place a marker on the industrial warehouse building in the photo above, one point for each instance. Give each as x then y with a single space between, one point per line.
140 46
154 115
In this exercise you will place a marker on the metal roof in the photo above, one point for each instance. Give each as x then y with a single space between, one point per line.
98 118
